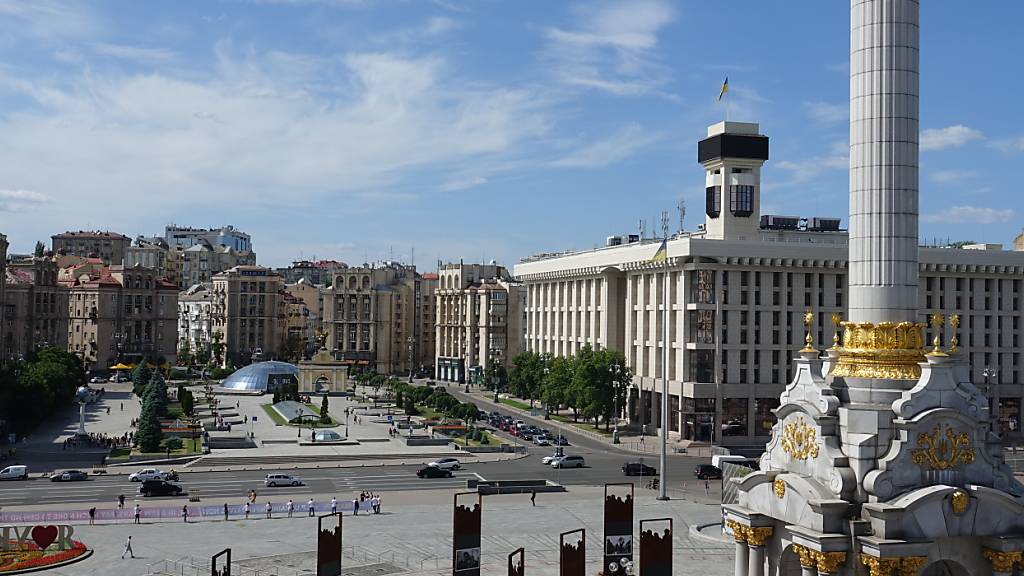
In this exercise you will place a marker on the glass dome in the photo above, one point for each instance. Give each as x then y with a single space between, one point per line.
262 376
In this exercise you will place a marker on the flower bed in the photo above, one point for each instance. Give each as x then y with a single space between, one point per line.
30 557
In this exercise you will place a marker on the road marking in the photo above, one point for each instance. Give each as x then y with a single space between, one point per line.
481 478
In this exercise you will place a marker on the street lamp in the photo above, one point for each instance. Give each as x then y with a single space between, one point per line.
615 369
990 373
411 341
547 407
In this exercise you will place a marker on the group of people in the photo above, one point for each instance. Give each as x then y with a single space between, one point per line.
98 441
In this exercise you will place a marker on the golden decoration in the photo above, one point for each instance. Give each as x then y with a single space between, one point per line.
1001 561
959 501
739 531
779 486
943 453
879 566
758 536
887 350
954 342
910 565
937 321
800 440
808 557
837 319
829 562
808 338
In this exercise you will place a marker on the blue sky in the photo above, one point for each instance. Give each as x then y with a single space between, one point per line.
361 130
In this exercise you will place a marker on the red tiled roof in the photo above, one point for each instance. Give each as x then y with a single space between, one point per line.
430 276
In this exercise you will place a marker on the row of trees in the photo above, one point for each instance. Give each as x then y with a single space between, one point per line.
591 383
408 397
212 355
154 407
33 389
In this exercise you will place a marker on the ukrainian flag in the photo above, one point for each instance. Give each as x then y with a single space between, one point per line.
662 254
725 88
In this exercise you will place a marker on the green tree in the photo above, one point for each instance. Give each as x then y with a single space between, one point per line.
325 417
294 348
527 376
140 378
557 382
39 250
149 435
217 347
188 402
30 391
410 406
156 393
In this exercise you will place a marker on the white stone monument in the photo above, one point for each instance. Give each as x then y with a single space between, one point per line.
882 462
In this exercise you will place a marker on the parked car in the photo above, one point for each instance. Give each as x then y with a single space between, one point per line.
69 476
434 472
638 469
282 480
568 462
526 436
560 441
707 472
446 463
97 380
18 472
542 440
159 488
146 474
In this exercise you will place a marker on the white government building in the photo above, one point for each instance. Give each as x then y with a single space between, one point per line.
749 278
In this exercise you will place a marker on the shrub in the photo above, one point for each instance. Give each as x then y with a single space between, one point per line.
173 443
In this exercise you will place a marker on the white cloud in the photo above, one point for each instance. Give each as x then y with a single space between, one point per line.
969 215
826 113
948 137
21 200
134 53
611 150
49 20
463 183
805 170
1009 145
611 47
440 25
949 176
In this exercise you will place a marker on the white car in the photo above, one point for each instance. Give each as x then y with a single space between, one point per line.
282 480
568 462
542 440
446 463
147 474
547 459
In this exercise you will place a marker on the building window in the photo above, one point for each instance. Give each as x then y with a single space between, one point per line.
713 203
764 417
734 416
741 200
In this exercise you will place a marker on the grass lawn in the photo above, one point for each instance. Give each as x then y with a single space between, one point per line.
280 421
581 425
515 404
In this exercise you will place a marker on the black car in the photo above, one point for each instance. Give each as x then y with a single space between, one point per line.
638 469
560 441
159 488
434 472
69 476
707 472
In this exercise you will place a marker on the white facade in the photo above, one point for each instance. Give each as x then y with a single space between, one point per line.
195 324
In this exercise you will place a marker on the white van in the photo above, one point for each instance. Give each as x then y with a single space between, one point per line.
718 459
19 472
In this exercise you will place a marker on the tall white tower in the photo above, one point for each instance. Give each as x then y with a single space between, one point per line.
884 83
732 156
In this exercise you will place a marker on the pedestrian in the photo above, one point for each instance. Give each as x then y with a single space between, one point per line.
122 406
533 497
334 505
310 507
92 516
375 504
253 496
138 513
128 548
355 507
246 509
108 410
291 507
184 513
225 511
168 452
270 510
120 502
707 487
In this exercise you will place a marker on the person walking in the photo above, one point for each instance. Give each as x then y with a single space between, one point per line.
533 497
120 502
138 513
184 513
247 510
270 510
310 507
355 507
334 505
375 504
92 516
122 406
707 487
291 507
225 511
128 548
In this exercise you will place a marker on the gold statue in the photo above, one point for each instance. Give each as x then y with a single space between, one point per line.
808 339
954 342
321 338
837 319
937 321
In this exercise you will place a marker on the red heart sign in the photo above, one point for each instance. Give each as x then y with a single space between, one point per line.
44 536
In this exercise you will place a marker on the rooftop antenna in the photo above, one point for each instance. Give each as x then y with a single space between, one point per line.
681 207
642 228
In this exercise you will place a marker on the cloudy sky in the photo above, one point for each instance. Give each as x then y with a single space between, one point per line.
362 129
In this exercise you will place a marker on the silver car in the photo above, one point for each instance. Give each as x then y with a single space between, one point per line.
282 480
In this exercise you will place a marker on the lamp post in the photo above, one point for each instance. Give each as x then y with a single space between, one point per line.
411 341
991 373
547 408
614 369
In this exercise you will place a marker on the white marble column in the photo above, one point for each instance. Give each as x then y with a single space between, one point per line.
884 89
755 566
742 558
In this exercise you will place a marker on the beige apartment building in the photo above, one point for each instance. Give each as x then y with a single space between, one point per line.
379 317
119 314
313 305
480 320
108 246
3 300
249 311
36 307
736 292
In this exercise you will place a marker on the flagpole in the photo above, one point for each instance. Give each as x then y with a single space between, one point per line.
663 460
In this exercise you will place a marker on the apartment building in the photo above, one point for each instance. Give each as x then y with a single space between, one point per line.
3 300
195 322
313 303
183 237
319 272
736 292
374 317
108 246
480 320
119 314
148 253
249 312
36 307
200 262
